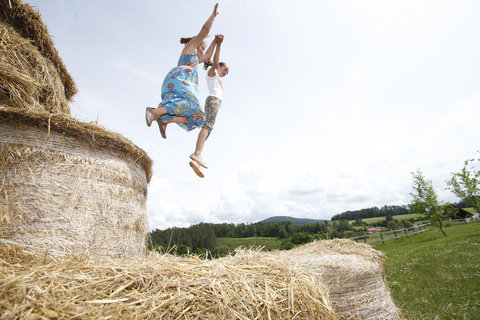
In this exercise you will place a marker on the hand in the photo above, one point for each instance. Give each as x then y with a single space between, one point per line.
215 12
219 38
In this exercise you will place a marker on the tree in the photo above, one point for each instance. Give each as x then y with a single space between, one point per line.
301 238
358 221
392 224
425 200
466 185
344 225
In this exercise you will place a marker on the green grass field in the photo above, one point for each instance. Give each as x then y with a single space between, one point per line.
436 277
397 217
266 242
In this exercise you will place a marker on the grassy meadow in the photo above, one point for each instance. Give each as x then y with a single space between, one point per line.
397 217
436 277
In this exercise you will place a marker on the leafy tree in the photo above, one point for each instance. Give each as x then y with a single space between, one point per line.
183 250
282 233
220 251
301 238
392 224
466 184
425 200
286 244
406 223
343 225
358 221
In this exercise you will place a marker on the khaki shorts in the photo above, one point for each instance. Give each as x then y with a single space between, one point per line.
211 108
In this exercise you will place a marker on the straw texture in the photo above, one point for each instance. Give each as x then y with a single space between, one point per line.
156 287
28 80
353 273
20 20
80 189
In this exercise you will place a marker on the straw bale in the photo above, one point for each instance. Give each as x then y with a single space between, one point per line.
71 187
28 80
353 273
28 23
159 286
96 137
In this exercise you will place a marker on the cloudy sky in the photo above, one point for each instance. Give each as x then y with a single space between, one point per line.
328 106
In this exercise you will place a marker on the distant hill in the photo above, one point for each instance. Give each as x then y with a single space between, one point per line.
296 221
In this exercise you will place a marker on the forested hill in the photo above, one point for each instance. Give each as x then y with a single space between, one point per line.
372 212
296 221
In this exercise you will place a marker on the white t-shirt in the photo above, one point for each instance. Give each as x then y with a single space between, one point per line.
215 86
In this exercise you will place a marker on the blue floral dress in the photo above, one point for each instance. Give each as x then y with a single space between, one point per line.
180 93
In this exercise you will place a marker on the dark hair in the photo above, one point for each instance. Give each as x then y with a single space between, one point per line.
223 64
185 40
207 64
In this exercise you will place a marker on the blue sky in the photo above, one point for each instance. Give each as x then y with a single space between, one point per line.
328 106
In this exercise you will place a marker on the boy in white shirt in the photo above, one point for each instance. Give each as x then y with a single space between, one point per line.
212 104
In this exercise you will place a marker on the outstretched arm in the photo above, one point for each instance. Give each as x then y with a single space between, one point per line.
216 58
208 54
197 40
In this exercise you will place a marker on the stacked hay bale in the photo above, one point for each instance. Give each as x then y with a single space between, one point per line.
353 273
32 75
65 185
256 286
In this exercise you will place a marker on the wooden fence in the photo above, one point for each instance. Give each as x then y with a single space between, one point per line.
392 234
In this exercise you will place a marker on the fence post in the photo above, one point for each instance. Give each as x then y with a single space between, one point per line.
381 237
406 231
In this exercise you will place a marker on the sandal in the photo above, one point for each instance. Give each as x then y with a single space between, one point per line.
148 116
162 126
200 162
196 169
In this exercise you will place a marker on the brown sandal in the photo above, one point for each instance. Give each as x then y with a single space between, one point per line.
200 162
148 115
162 126
196 169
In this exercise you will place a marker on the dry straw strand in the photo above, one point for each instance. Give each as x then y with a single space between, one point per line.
148 288
28 22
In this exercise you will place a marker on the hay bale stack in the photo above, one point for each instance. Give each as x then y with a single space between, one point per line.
32 75
353 273
69 186
156 287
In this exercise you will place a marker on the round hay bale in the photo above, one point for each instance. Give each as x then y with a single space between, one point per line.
68 186
32 75
353 273
158 286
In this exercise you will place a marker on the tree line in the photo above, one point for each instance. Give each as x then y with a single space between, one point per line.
202 237
373 212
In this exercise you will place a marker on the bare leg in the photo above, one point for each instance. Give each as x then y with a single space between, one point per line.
162 124
197 155
152 114
160 111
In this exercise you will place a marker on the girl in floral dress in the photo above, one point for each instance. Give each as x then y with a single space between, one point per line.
180 88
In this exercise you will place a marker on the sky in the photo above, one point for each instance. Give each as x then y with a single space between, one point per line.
328 106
